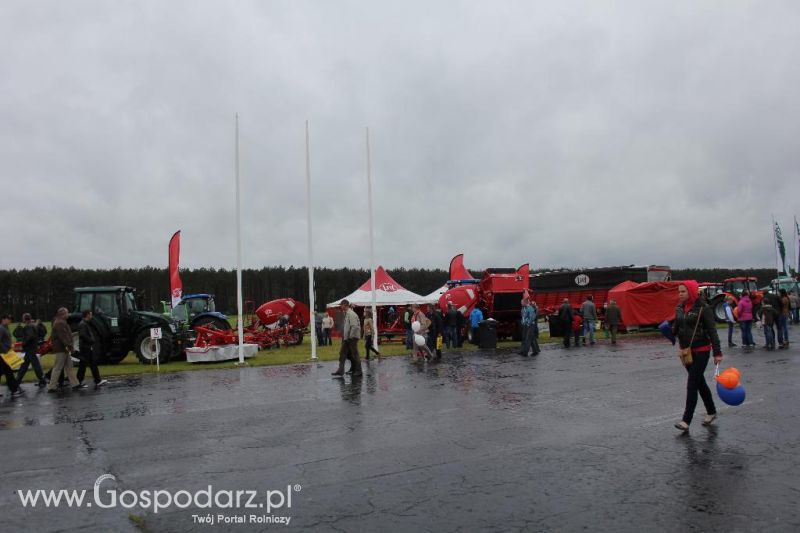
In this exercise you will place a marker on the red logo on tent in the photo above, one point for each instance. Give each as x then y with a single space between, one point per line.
388 287
176 293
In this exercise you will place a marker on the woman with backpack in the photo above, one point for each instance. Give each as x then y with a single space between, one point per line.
696 332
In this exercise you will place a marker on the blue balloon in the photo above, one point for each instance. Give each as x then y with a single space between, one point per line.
734 396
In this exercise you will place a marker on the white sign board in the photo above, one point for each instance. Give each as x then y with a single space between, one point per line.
155 333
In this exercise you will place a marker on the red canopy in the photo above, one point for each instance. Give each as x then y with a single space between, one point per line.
646 303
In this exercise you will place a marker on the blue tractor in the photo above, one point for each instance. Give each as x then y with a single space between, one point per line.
198 310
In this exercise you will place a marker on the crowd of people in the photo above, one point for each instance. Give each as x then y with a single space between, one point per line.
778 310
31 334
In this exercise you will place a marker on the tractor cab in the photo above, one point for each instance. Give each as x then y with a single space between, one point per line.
738 285
199 310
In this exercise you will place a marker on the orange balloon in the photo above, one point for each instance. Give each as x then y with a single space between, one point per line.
729 380
732 370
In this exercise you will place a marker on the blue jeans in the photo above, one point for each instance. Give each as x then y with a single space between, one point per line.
730 333
588 331
747 332
769 335
409 338
451 337
783 327
31 359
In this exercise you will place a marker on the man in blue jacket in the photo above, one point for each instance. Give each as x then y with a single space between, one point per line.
475 318
529 330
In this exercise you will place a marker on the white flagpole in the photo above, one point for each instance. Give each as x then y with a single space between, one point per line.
310 251
239 251
371 250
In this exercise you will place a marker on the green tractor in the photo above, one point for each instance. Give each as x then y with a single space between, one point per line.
120 327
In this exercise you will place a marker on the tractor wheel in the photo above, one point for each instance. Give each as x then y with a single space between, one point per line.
213 323
145 347
719 310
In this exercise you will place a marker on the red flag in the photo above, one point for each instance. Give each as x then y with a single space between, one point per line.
175 285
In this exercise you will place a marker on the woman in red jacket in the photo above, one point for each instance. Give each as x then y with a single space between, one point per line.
696 328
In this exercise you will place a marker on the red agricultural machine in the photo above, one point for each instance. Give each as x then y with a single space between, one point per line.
278 323
734 287
498 293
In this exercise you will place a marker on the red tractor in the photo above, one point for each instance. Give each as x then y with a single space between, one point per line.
734 287
498 294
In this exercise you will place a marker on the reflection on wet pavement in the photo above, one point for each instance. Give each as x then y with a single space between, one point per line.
566 440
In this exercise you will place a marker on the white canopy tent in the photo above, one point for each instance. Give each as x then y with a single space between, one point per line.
387 292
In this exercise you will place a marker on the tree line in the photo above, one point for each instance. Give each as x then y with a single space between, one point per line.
40 291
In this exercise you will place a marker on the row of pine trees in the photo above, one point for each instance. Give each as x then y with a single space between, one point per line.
40 291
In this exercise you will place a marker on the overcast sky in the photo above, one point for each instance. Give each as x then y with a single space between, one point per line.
556 133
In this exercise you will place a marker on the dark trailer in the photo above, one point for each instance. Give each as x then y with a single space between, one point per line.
549 289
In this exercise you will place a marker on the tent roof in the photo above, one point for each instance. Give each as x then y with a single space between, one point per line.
387 292
433 297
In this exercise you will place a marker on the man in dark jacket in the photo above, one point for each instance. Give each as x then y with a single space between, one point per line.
565 316
5 346
769 316
61 337
460 323
613 319
451 326
86 343
30 345
434 314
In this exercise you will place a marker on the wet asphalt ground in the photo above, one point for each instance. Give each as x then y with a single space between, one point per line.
578 439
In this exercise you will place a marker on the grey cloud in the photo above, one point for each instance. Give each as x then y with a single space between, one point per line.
569 133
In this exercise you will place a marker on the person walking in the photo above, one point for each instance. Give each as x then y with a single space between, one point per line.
351 333
565 316
424 324
529 330
475 318
769 317
794 303
5 345
730 319
30 345
745 312
589 313
613 319
436 330
451 326
61 338
86 344
369 332
783 319
327 328
696 329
